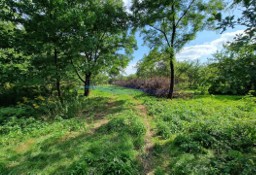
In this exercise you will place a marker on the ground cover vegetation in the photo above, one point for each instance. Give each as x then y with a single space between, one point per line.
61 111
125 131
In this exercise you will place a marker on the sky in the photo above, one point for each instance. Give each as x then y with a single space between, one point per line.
202 48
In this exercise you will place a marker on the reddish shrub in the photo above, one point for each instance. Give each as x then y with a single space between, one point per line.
156 86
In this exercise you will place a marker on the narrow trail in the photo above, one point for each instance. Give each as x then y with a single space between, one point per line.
98 124
147 155
99 120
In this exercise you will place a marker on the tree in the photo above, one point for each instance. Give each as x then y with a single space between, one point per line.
174 23
248 20
14 63
46 26
234 71
104 44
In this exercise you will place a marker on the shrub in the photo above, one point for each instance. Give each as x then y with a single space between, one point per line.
155 86
16 112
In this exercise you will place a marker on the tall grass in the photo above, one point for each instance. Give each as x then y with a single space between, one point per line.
204 135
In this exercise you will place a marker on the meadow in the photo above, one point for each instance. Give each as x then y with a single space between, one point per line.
123 131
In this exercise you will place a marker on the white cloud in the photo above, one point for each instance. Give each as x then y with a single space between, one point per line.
130 69
206 49
198 51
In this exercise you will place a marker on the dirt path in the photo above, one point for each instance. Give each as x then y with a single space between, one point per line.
146 156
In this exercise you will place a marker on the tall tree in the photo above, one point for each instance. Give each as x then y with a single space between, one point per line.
103 45
170 24
46 25
13 62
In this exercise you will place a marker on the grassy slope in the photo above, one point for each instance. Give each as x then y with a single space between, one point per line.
122 131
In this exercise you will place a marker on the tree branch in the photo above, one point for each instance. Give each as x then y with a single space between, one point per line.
101 39
185 12
165 36
76 71
173 27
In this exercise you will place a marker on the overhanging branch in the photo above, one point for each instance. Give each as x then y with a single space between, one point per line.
185 12
165 36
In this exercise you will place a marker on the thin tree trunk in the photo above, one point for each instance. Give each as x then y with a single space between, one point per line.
57 73
171 88
172 54
87 84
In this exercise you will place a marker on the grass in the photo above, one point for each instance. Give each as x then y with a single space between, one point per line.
124 131
204 135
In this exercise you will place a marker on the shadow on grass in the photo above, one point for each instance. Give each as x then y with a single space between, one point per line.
203 153
96 108
101 151
94 153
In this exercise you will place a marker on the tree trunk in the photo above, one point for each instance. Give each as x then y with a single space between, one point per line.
87 84
172 54
170 94
57 73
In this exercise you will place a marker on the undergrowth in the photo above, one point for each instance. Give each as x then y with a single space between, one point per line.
105 134
204 135
64 140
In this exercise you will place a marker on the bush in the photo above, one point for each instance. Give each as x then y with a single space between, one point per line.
16 112
234 162
16 94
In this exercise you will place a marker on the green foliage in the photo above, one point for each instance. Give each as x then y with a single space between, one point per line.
46 127
234 71
204 135
189 75
50 38
247 19
16 112
100 79
200 135
154 64
173 19
113 161
171 25
73 146
105 44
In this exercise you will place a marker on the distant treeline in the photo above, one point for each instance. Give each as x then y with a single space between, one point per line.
231 71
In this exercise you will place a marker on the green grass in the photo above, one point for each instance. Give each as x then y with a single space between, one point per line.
204 135
200 135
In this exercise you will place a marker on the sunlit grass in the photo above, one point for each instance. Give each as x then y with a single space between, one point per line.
198 135
74 146
204 134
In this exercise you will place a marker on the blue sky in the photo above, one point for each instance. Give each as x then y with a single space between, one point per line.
205 44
